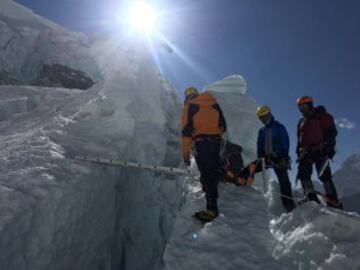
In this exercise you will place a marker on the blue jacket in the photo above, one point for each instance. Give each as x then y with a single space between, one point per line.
273 140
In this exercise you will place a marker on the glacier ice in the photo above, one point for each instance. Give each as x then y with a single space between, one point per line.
58 213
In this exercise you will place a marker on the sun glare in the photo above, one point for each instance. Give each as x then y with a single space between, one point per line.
142 17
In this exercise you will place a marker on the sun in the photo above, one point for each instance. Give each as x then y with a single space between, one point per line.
142 17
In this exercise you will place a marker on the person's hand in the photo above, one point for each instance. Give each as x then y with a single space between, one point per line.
187 161
284 162
301 152
328 151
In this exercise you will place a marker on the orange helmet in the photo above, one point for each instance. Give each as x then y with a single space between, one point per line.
304 100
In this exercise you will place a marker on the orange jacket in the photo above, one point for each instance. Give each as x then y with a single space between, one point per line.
200 116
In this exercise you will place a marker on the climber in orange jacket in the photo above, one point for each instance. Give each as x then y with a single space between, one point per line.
203 125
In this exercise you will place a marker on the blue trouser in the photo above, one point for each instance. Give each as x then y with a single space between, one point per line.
208 161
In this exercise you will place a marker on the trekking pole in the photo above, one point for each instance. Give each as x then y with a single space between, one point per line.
323 167
263 167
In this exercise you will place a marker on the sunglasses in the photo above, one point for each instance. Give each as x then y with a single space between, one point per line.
303 107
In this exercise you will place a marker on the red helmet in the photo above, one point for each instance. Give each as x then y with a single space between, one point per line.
304 100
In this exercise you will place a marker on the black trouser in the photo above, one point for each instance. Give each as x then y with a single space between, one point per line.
208 161
305 170
283 178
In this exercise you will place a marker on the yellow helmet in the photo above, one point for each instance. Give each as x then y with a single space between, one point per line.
263 110
191 90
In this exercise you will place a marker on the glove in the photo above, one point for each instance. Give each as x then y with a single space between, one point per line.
328 151
187 161
301 152
283 163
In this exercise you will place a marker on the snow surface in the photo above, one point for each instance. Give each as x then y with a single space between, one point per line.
317 238
249 234
57 213
238 239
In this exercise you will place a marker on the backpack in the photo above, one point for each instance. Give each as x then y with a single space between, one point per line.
232 162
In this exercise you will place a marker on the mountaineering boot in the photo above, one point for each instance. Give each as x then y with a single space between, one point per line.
205 215
331 195
331 201
289 207
337 205
311 196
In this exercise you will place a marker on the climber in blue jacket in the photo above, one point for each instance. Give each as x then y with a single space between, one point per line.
273 148
273 139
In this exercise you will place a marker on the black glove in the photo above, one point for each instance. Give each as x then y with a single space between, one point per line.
187 161
301 153
284 163
328 151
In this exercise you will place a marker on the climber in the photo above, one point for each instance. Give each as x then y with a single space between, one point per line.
232 164
203 125
273 149
316 140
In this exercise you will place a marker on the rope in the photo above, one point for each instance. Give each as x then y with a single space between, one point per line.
326 199
287 197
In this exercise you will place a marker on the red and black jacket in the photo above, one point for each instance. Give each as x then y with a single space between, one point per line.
316 131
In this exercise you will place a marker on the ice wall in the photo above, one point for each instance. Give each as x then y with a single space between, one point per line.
136 119
57 213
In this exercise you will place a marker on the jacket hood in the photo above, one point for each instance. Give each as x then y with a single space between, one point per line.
319 110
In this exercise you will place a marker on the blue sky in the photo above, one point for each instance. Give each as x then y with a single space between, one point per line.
284 49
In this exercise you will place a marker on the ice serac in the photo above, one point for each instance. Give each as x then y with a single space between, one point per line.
58 213
230 84
240 112
28 43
